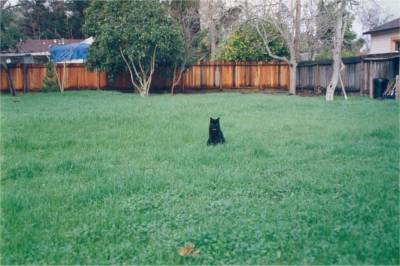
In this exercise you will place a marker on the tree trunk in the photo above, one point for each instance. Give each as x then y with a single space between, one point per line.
150 77
176 79
337 49
139 74
292 77
9 79
146 87
173 82
213 41
297 22
330 90
63 77
57 76
25 80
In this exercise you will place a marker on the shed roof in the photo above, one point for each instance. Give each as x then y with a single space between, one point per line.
35 46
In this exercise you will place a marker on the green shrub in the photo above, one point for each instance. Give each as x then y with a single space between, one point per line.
50 80
245 44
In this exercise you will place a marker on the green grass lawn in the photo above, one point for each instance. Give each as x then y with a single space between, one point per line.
105 177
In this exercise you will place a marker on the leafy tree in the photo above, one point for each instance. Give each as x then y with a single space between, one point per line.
134 36
353 49
287 20
39 22
9 29
219 18
245 44
9 36
51 19
348 50
76 17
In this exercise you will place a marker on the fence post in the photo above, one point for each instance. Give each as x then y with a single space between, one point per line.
25 78
9 79
364 78
97 79
371 92
317 83
279 75
234 75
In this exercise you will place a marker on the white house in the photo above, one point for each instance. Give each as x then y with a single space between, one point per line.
385 38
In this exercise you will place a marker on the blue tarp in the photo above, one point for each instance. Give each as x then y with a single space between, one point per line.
68 52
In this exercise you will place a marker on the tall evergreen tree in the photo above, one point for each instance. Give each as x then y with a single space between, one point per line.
52 19
10 32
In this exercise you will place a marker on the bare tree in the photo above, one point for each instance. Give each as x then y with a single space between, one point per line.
219 21
340 28
210 11
316 22
286 19
371 14
186 12
3 3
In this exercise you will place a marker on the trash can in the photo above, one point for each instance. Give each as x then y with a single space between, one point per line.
380 85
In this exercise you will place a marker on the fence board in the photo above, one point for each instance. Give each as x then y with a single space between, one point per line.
36 74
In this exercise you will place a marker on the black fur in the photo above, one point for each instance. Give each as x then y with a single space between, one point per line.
215 134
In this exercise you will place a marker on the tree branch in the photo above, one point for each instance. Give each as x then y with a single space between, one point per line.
264 36
129 68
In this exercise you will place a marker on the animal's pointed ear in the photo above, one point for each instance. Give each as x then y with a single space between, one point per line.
211 119
217 119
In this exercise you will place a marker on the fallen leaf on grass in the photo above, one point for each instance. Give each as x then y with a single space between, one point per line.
186 250
196 253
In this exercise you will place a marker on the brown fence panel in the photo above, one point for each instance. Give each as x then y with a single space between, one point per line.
36 74
76 77
19 80
269 75
228 75
210 74
17 74
79 77
122 81
205 75
192 78
242 75
284 77
3 79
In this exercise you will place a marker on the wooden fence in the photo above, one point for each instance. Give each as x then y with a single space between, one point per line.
205 75
30 77
238 75
357 75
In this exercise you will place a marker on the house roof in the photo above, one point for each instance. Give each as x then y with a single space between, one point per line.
391 25
39 46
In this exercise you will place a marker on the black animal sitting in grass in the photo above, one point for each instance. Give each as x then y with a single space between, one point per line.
215 134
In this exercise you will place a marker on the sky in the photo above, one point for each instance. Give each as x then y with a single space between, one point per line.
391 7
